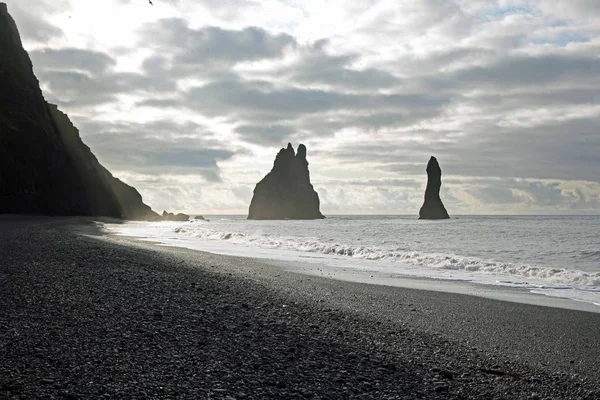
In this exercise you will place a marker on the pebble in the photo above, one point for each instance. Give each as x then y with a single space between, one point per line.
441 388
446 374
181 331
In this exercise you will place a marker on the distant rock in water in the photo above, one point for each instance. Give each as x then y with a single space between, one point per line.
167 216
433 208
45 168
286 191
199 218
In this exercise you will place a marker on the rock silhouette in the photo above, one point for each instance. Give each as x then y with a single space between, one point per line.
45 168
167 216
286 191
129 199
433 208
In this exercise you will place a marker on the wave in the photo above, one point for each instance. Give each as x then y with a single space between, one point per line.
519 273
590 255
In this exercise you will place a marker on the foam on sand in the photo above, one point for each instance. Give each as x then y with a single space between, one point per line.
558 282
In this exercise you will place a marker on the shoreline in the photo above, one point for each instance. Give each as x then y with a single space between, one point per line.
88 315
335 269
270 271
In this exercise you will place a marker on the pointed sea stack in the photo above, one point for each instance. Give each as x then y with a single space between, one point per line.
433 208
45 168
286 191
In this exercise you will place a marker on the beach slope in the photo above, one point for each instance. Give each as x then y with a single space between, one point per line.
85 315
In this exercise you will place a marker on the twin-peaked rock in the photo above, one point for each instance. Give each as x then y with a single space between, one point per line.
286 191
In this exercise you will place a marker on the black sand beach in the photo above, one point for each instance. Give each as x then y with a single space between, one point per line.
84 315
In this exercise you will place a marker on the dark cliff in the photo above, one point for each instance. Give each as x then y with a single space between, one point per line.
433 208
286 191
45 168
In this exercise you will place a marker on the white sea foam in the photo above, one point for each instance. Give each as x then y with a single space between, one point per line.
551 256
521 273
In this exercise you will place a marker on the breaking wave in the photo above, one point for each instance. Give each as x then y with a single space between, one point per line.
511 273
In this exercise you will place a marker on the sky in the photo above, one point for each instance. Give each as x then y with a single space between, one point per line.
190 100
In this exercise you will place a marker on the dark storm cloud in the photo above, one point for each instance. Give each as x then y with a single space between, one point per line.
367 120
32 25
476 90
77 77
157 147
205 51
332 71
213 45
543 96
559 150
71 59
243 98
316 66
77 89
265 134
510 72
538 193
482 147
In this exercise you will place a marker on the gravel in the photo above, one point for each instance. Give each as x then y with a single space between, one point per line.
89 316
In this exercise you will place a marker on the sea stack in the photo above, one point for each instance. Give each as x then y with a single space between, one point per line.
167 216
286 191
45 168
433 208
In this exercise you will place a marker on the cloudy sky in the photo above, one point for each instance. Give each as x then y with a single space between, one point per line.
189 100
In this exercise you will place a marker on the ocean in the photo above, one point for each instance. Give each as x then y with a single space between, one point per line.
556 256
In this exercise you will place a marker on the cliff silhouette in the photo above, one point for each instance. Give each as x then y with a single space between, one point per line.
45 168
286 191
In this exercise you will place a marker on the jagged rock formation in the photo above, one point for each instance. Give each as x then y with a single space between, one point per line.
45 168
286 191
433 208
167 216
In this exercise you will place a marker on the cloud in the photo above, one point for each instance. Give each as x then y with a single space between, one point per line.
505 94
237 99
313 65
537 195
78 77
554 150
524 71
210 47
265 134
69 59
33 26
159 147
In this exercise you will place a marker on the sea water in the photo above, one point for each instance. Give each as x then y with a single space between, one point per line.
552 255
